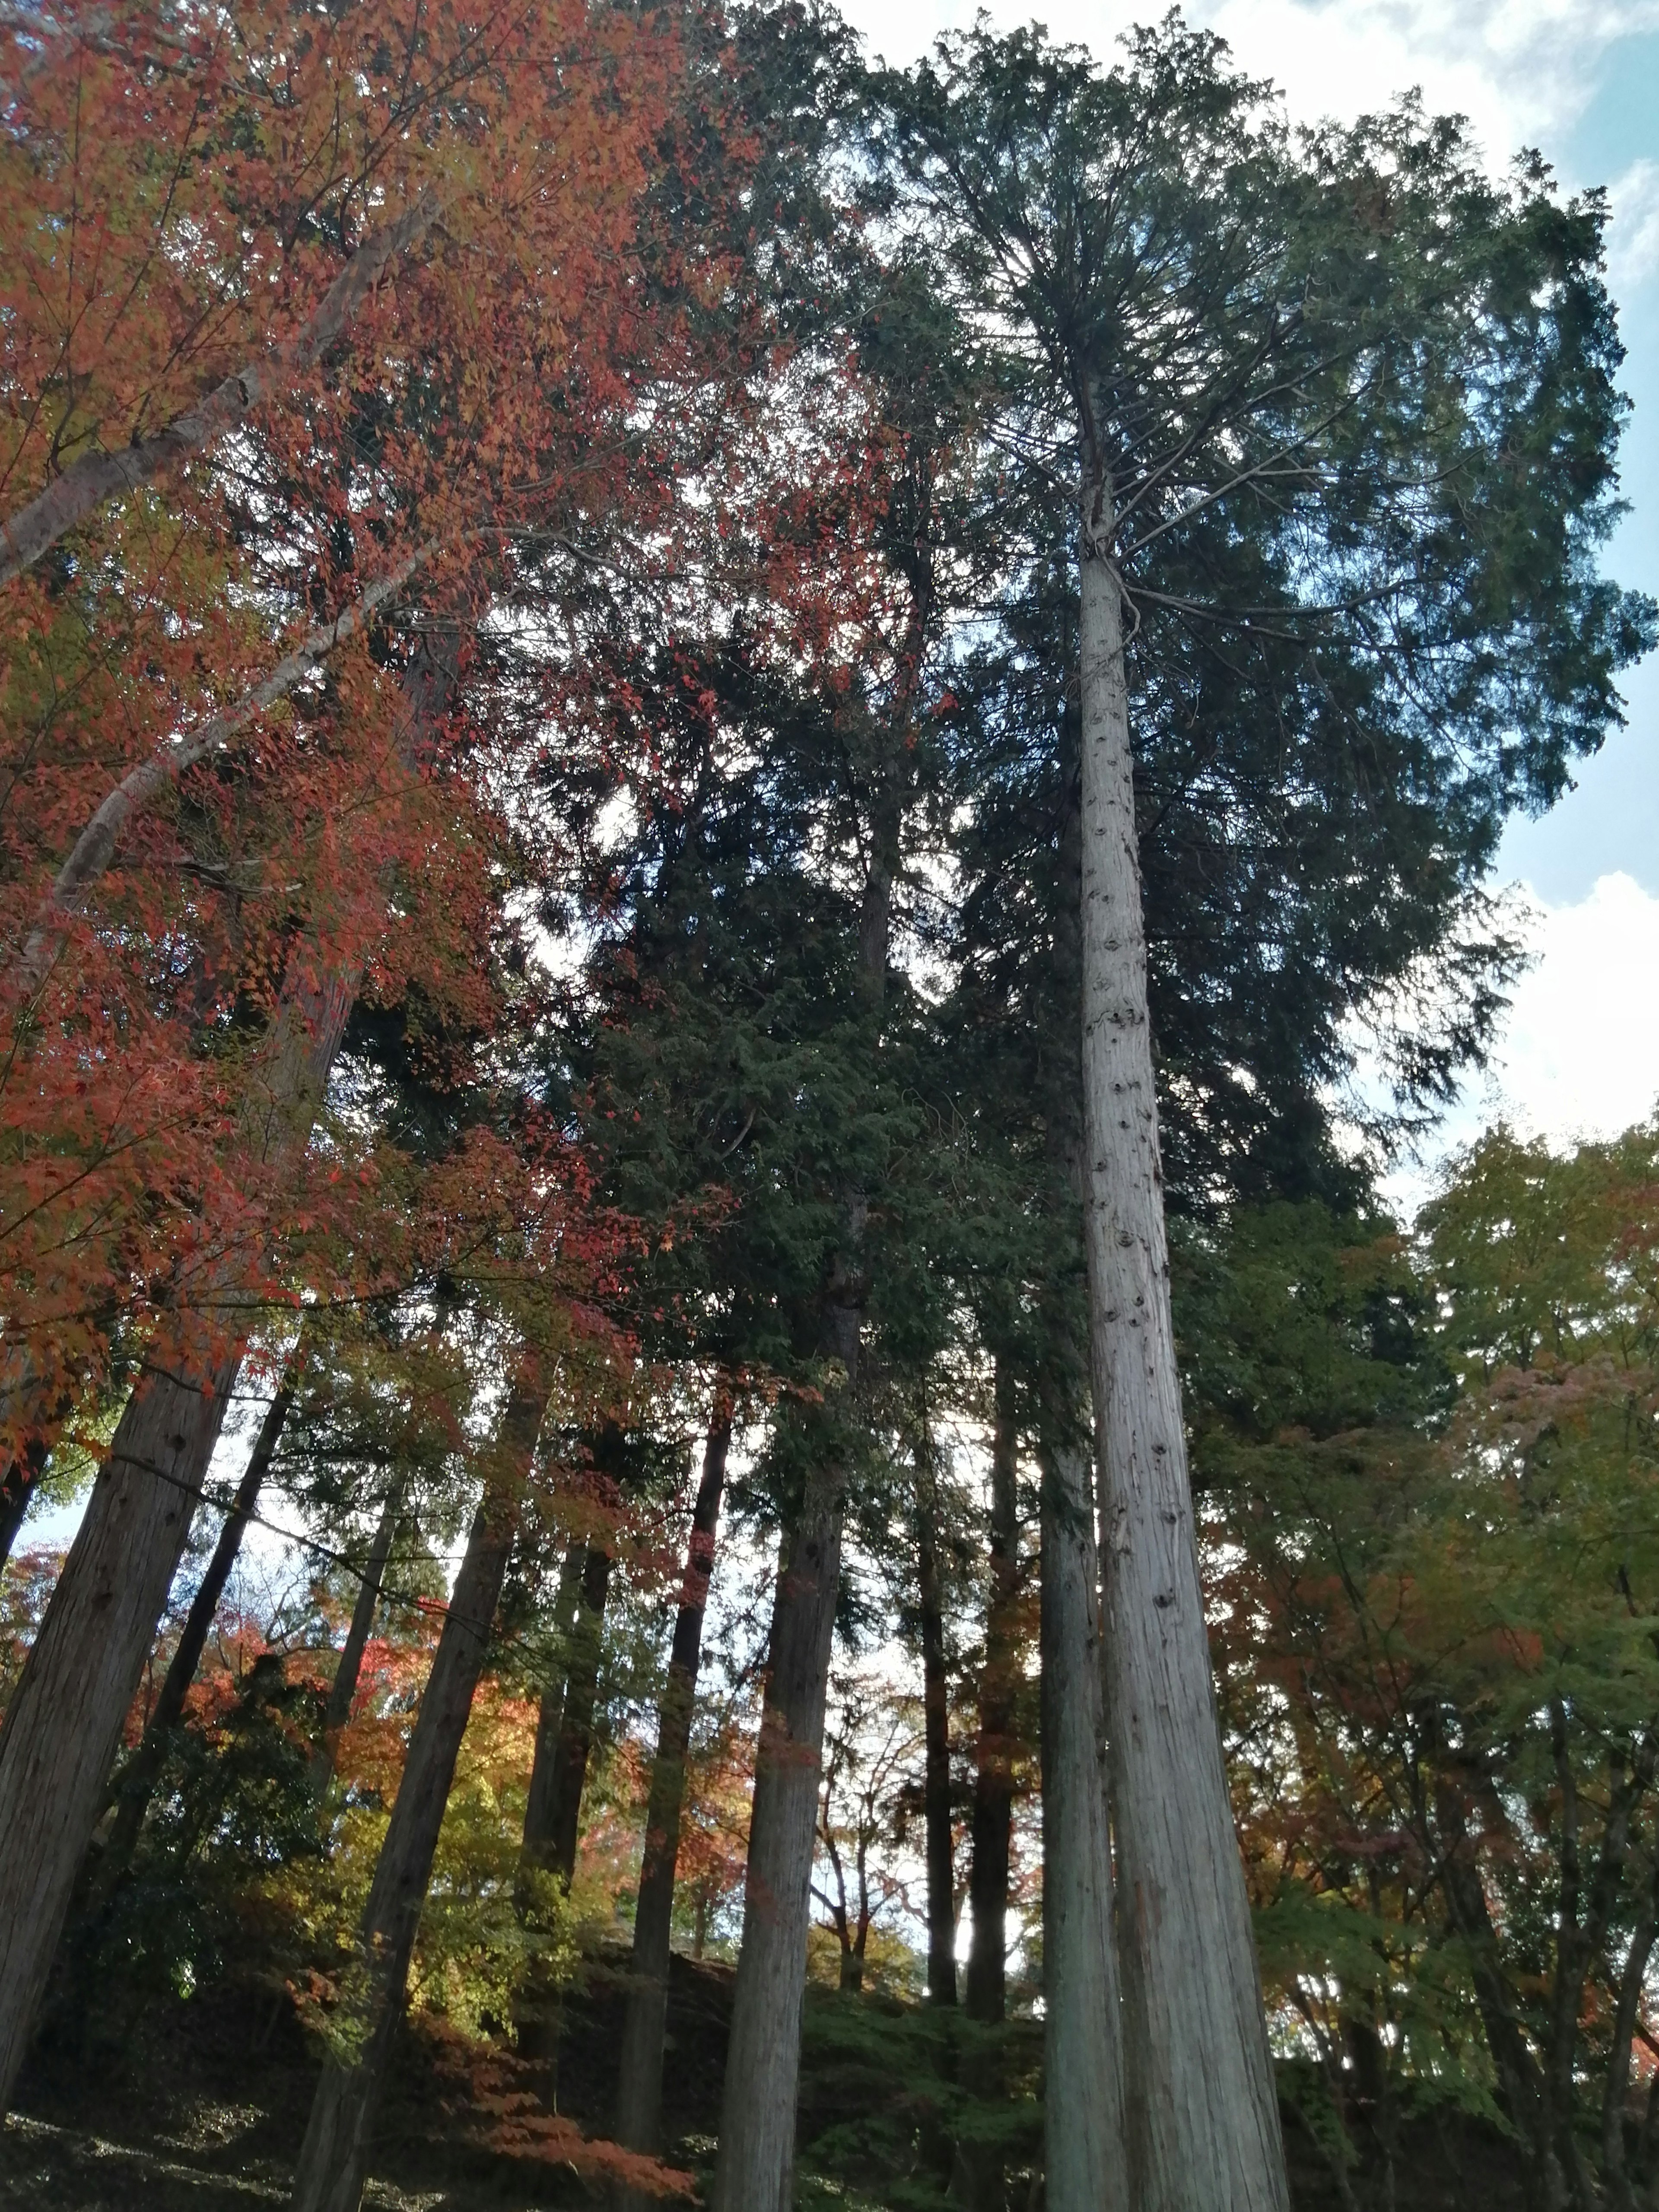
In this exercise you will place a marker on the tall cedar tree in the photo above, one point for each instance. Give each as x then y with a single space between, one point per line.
1335 346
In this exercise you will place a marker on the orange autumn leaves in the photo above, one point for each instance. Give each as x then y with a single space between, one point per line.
182 199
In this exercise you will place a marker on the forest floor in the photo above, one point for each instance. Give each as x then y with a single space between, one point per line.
200 2107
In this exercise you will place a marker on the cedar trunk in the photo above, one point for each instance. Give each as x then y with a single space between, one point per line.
1083 2166
993 1793
1203 2114
638 2095
754 2170
135 1785
64 1721
343 1690
63 1724
333 2158
555 1847
762 2067
936 1738
538 1814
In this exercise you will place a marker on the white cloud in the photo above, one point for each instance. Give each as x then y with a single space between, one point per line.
1634 233
1522 70
1579 1055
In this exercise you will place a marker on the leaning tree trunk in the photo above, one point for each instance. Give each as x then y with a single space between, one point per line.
993 1793
63 1724
762 2067
1083 2165
936 1739
639 2094
343 1690
135 1785
1203 2113
333 2158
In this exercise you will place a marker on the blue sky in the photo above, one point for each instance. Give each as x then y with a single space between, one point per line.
1578 80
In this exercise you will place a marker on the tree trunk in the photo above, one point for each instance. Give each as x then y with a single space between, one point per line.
16 1496
1616 2089
552 1823
993 1794
936 1737
1083 2162
639 2093
1204 2115
135 1785
63 1724
762 2067
333 2158
64 1721
343 1690
538 1814
553 1818
755 2169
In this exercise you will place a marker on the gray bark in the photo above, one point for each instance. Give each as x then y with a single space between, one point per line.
538 1812
344 1688
762 2067
638 2095
755 2168
1084 2168
63 1724
993 1794
136 1784
95 479
334 2155
64 1721
549 1840
1202 2108
936 1739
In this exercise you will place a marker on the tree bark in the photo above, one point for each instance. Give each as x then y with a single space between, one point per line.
1202 2108
333 2158
762 2067
96 479
16 1497
551 1837
63 1724
539 1813
993 1794
135 1785
755 2168
1084 2164
639 2094
343 1690
1616 2089
936 1738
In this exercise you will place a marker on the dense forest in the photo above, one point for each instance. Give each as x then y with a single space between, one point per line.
742 797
